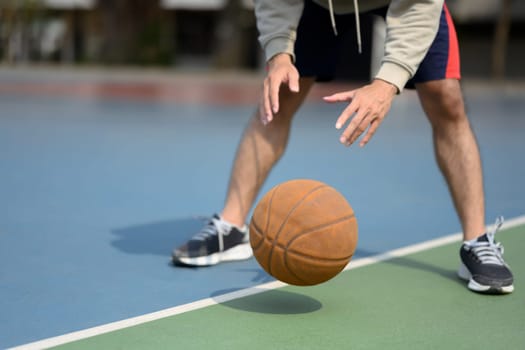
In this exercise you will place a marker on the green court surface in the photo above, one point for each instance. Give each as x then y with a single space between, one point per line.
410 302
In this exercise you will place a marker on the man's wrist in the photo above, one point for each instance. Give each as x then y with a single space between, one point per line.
280 58
393 88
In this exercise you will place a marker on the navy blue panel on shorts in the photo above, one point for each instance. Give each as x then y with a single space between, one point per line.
317 48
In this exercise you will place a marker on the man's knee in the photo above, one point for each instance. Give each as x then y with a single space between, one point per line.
442 101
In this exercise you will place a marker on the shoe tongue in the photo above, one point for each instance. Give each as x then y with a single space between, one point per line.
482 238
214 217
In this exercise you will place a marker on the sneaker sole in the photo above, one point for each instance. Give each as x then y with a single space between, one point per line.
465 274
239 252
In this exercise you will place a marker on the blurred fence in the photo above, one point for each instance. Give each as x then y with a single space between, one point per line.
212 33
127 32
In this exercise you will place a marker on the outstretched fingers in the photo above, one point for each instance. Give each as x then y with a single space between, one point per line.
345 96
367 108
374 124
357 126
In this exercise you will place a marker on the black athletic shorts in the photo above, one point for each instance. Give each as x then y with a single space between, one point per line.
317 48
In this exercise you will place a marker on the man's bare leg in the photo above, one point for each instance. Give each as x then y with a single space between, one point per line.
260 148
456 151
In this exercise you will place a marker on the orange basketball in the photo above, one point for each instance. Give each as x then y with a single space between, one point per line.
303 232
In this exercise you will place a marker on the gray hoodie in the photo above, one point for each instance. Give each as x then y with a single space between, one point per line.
411 27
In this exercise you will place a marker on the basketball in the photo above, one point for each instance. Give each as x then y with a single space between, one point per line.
303 232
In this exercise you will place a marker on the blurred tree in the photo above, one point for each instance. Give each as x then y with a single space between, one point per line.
235 36
17 18
136 32
501 39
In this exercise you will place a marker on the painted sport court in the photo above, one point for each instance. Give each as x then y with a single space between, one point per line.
103 173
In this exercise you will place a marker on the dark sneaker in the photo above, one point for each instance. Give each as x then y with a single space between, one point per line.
483 265
218 241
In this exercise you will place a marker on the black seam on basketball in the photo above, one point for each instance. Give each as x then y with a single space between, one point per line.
261 233
326 224
316 228
283 247
269 208
270 253
297 204
299 278
310 230
292 252
285 258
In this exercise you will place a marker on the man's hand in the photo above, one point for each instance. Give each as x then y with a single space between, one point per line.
280 71
368 106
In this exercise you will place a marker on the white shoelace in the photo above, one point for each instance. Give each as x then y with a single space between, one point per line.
489 252
215 227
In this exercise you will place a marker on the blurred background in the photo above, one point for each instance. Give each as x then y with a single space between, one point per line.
220 35
118 122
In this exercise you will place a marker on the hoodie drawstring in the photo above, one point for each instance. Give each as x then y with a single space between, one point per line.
357 23
357 26
332 16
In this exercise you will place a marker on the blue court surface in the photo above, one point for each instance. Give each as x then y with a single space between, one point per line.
103 174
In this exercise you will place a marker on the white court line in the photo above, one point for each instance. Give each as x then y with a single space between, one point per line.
177 310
